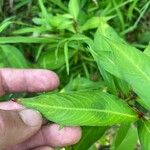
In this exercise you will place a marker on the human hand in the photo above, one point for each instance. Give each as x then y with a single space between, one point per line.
24 129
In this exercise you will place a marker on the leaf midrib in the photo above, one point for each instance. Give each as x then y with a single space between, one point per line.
136 66
83 109
147 128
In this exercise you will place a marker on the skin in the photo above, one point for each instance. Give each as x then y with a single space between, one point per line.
14 132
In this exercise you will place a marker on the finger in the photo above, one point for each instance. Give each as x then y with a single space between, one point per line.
16 127
27 80
10 105
43 148
52 135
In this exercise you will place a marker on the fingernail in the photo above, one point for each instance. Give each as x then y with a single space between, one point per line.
31 117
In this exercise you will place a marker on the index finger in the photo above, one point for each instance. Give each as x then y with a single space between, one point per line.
27 80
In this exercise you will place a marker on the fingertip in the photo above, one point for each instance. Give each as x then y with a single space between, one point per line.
41 80
78 134
52 135
31 118
27 80
62 137
10 105
52 79
14 124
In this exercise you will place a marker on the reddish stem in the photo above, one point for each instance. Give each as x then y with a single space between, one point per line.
141 114
14 100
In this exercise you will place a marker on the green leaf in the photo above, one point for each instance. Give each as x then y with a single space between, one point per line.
74 8
144 133
89 136
92 108
133 69
102 50
94 22
12 57
83 84
61 21
123 61
121 134
23 39
48 60
147 50
106 62
91 23
130 141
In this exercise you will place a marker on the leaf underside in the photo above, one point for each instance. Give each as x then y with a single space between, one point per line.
91 108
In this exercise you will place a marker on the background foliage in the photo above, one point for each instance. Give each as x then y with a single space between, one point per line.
52 34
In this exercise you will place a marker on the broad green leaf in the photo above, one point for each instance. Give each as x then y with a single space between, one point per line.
91 23
61 22
92 108
109 79
89 136
82 17
102 49
130 141
48 60
123 61
121 134
144 134
74 8
133 69
11 57
106 61
94 22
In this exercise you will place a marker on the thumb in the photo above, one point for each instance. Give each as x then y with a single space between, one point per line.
16 127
